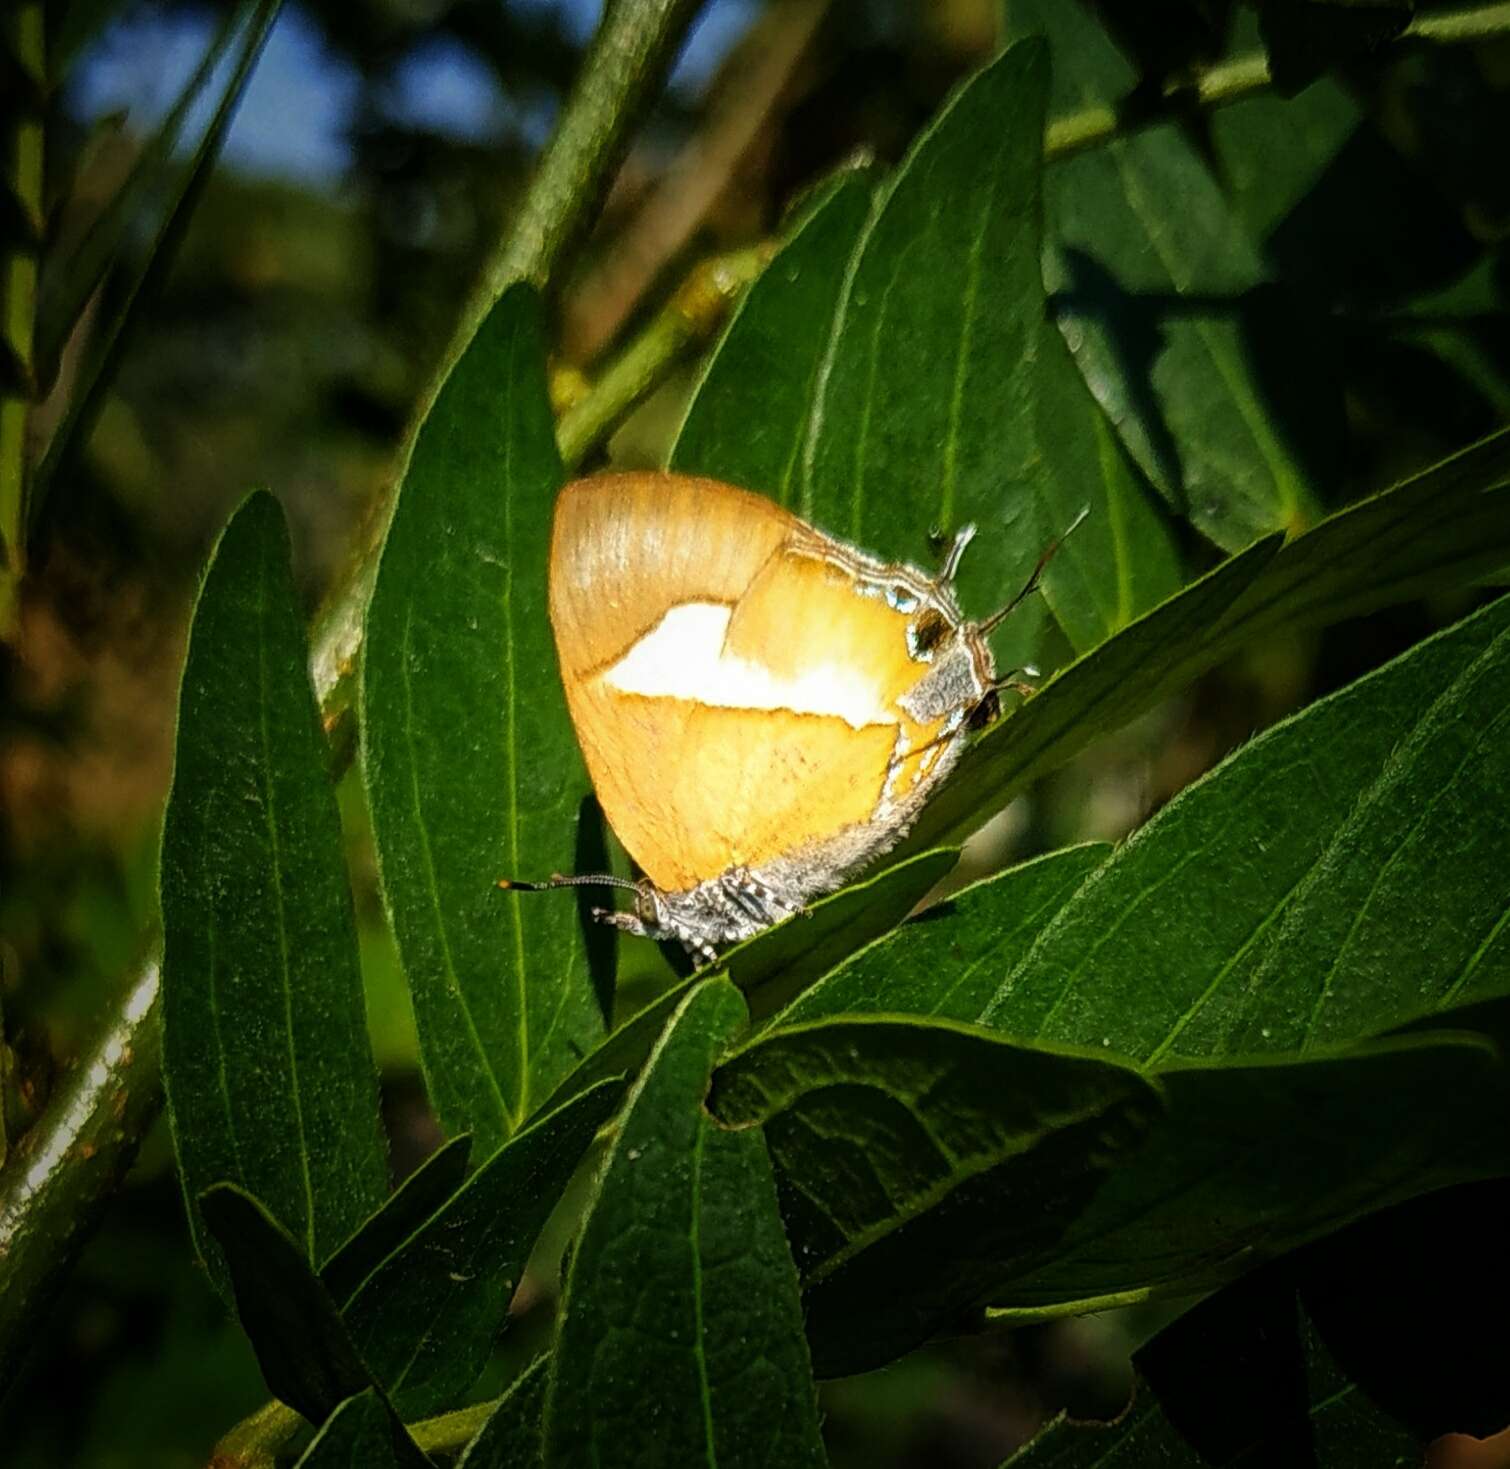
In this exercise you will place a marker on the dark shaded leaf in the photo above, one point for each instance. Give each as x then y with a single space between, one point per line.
680 1340
471 766
1254 1158
1306 37
1274 1390
413 1202
748 419
1150 269
304 1350
905 1150
1401 1298
266 1059
510 1439
426 1318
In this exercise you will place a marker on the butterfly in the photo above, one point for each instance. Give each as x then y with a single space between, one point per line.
763 708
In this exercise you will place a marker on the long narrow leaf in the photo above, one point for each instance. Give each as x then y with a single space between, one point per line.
269 1072
471 765
680 1339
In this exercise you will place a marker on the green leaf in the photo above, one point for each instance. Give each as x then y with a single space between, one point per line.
775 966
1137 228
920 420
1446 527
401 1213
748 419
1122 558
266 1060
947 963
1419 867
1442 528
141 282
994 418
426 1318
1278 156
780 962
361 1434
1241 918
471 766
680 1337
304 1350
905 1150
1253 1158
510 1439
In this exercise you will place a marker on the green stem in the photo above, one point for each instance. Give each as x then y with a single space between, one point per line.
630 55
1245 76
265 1438
18 295
689 319
66 1166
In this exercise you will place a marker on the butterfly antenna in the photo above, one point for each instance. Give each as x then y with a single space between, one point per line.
1031 585
556 880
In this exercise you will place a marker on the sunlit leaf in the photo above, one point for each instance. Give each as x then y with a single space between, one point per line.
749 416
471 766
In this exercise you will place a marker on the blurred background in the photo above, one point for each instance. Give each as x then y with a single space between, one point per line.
378 149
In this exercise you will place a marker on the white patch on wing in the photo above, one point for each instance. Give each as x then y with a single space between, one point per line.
682 657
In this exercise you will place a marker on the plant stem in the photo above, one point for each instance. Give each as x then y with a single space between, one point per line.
65 1167
18 294
691 316
1244 76
630 55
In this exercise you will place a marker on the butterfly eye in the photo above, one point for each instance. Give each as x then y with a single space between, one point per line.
926 632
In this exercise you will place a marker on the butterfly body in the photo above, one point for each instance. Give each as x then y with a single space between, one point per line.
762 707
